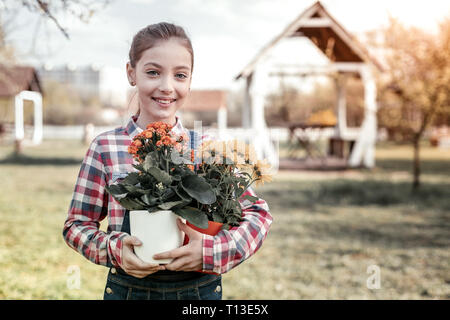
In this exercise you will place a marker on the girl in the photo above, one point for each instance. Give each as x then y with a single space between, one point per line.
160 66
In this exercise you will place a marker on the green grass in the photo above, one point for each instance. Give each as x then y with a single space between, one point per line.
329 227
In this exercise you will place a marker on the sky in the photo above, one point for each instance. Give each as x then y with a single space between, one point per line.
226 34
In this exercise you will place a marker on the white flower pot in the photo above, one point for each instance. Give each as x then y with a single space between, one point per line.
158 232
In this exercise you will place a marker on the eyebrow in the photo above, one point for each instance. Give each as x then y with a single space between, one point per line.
159 66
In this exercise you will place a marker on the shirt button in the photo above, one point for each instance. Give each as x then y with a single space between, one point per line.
218 289
109 290
113 270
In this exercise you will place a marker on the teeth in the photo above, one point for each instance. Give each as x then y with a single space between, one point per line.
163 101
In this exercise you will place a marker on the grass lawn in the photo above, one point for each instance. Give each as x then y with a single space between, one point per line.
329 228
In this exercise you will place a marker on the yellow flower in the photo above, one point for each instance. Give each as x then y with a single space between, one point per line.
261 172
236 151
250 154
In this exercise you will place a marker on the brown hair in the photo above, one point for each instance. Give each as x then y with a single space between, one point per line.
150 35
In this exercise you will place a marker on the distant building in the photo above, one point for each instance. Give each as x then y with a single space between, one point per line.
14 79
19 84
209 106
86 80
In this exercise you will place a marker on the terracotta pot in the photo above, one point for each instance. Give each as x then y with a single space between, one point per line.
212 230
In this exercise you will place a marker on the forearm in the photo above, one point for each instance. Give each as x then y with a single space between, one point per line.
95 245
231 247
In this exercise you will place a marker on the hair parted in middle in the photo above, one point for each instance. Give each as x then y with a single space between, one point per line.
150 35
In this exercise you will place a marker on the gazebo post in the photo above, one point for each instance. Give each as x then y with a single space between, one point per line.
260 135
364 149
247 103
341 125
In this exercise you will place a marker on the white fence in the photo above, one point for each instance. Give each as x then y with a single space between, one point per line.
70 132
52 132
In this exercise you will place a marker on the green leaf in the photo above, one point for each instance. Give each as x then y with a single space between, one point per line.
134 190
150 161
199 189
251 198
116 189
131 178
168 193
217 217
193 215
169 205
160 175
139 167
181 193
228 204
130 204
149 200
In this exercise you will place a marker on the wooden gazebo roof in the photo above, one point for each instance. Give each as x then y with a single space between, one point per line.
326 33
14 79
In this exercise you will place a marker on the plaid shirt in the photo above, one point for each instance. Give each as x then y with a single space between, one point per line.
108 159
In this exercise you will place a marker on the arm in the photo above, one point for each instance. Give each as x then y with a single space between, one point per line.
229 248
88 207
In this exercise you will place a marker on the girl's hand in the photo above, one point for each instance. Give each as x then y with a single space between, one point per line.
188 257
131 264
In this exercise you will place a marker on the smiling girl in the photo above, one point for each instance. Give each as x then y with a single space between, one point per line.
160 66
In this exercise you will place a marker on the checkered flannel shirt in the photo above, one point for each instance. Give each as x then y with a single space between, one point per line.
108 159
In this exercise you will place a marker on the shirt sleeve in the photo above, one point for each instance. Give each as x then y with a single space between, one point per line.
229 248
88 207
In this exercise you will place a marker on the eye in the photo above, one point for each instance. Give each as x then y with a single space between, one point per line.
181 75
152 72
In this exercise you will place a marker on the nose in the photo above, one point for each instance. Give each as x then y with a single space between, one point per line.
166 85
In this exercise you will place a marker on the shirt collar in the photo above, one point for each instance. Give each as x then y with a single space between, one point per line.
133 129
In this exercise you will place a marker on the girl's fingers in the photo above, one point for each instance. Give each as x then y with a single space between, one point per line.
178 264
141 274
132 262
173 254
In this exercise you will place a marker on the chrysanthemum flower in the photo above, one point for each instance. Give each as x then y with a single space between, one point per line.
261 172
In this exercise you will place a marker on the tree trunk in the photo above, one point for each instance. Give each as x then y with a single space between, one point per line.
416 165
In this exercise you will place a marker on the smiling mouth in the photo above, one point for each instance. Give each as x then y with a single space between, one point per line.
164 102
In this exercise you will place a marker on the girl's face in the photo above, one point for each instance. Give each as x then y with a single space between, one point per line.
163 78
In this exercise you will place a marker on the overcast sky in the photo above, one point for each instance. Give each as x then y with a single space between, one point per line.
226 34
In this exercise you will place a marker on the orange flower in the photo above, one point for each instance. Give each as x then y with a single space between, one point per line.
160 125
132 149
166 140
137 143
159 143
161 132
148 134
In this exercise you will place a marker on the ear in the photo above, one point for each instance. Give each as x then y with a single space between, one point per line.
131 74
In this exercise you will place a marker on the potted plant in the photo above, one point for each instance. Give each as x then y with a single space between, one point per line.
161 188
230 168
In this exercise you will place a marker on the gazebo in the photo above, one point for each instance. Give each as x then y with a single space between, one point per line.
22 83
346 58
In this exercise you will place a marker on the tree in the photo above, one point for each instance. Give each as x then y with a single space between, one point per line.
417 86
51 9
